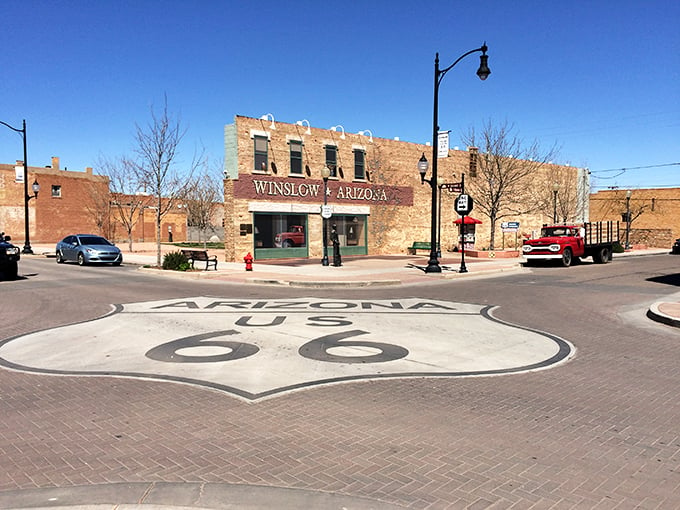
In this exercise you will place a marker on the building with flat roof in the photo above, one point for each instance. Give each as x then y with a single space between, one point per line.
274 192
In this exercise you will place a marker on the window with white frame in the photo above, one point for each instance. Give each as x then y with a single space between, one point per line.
332 159
56 191
261 144
359 165
295 157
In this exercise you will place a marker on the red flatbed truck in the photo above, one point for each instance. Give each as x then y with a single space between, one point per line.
568 243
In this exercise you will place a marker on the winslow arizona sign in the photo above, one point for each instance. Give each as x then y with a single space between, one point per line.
258 348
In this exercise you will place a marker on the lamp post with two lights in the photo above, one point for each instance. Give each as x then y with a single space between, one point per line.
483 72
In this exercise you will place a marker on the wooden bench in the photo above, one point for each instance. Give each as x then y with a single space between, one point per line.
200 256
418 245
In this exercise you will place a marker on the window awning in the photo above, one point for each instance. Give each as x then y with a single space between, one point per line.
469 220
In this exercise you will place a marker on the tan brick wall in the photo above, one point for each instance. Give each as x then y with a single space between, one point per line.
393 224
657 211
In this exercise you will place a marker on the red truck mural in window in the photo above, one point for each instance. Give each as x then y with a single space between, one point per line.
294 237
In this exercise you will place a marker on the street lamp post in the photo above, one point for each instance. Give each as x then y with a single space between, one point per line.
483 72
325 174
27 197
556 188
628 194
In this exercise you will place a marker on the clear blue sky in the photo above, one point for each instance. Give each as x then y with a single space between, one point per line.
599 78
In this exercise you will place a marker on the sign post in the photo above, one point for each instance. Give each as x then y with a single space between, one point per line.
463 207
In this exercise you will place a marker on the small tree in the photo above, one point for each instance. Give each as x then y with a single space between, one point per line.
203 196
558 195
98 205
127 199
157 148
505 169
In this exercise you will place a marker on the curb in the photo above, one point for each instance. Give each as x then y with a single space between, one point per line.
324 284
657 315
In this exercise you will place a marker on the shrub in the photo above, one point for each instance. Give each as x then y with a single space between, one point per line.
175 261
617 248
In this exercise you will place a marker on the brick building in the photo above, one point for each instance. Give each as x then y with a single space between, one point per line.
75 202
654 213
273 186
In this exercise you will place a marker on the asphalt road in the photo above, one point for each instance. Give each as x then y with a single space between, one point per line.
598 430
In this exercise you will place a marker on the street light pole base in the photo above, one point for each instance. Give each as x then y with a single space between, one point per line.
27 250
433 266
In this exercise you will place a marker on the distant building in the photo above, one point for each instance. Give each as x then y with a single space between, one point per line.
654 213
75 202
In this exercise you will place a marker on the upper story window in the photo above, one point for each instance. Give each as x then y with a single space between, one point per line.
56 191
332 159
261 151
295 157
359 165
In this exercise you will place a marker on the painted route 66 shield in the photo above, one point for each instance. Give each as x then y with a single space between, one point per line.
253 349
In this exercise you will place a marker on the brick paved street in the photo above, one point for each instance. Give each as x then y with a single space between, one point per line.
600 431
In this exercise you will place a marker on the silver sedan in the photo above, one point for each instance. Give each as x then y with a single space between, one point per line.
88 249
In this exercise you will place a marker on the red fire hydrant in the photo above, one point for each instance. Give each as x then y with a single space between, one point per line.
248 259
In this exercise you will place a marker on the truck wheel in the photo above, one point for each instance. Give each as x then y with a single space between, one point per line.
566 257
602 256
287 243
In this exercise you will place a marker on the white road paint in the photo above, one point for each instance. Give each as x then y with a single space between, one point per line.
253 348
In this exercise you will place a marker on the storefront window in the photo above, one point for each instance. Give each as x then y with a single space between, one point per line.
280 231
351 231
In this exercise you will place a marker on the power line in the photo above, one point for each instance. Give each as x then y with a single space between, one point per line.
622 170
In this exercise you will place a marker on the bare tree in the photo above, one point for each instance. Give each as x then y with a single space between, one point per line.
505 169
558 196
202 199
127 198
98 205
157 148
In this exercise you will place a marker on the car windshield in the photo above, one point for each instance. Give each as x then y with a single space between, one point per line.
93 241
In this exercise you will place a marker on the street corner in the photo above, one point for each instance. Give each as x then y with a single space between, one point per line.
253 349
665 312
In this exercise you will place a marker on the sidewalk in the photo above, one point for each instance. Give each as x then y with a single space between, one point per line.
360 271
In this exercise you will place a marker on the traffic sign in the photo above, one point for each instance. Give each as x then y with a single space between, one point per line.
463 204
326 211
454 187
510 226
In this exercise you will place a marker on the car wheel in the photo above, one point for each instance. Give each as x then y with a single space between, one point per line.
81 259
11 271
566 257
287 243
60 257
116 263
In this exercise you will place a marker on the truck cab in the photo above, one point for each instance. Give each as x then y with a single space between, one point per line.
568 243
